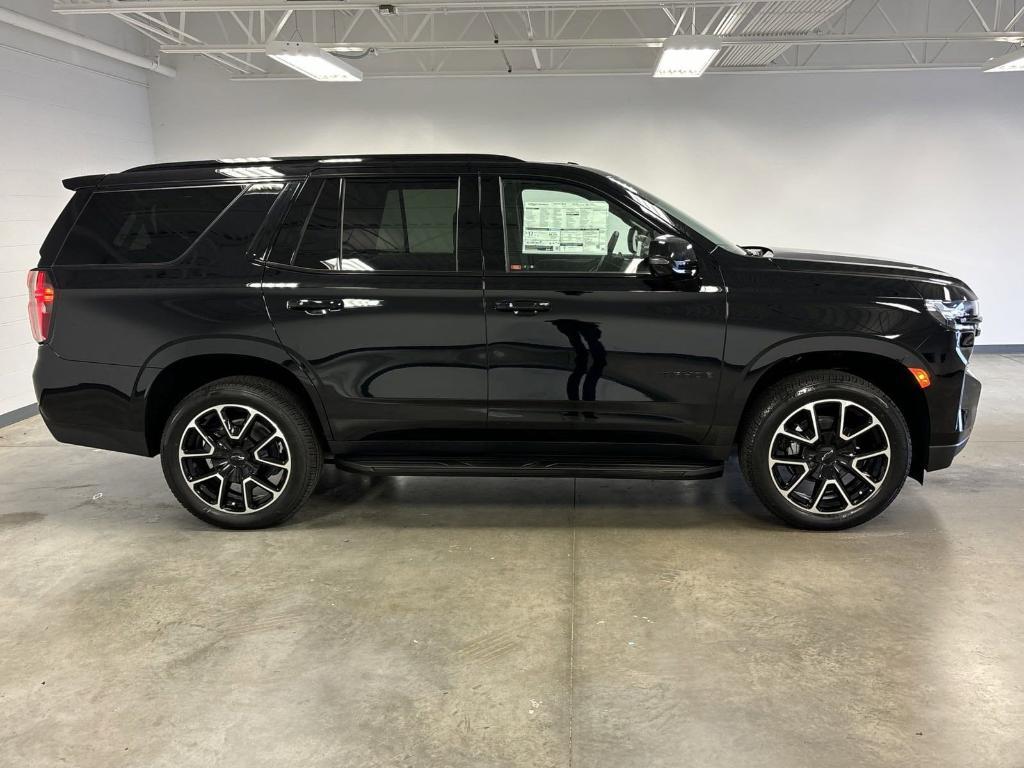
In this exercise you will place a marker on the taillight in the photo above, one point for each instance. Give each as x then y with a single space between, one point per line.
40 304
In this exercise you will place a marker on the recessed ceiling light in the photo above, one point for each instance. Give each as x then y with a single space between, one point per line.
313 62
1011 62
687 55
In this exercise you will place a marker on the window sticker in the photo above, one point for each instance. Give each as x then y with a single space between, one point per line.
565 226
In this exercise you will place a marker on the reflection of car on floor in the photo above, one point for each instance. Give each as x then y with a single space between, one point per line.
480 315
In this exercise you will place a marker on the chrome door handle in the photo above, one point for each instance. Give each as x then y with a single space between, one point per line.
315 306
522 306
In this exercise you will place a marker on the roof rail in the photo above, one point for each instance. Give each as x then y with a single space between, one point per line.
306 159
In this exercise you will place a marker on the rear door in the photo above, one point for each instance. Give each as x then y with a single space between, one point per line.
585 347
374 286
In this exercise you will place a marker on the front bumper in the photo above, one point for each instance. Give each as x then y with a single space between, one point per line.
943 450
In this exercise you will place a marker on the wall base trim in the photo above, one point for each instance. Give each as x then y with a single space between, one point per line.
18 414
999 349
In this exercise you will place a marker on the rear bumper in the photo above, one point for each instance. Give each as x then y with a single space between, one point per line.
90 404
946 445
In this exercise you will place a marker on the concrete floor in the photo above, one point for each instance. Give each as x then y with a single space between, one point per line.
440 622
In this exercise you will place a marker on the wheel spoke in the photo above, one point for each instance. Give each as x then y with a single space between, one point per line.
274 493
801 438
842 492
820 486
222 493
862 476
874 423
794 484
196 481
277 465
246 426
183 454
872 455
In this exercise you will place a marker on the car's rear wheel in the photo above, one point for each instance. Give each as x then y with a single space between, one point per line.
241 453
825 450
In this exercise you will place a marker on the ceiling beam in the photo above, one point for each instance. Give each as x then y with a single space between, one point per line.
406 6
758 70
623 42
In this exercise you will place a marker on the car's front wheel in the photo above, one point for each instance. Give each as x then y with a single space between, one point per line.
825 450
241 453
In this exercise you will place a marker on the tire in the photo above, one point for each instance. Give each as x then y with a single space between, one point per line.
813 473
241 453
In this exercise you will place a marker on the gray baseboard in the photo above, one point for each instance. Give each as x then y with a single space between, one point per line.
999 349
18 414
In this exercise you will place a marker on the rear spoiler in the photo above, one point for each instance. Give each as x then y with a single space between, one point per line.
83 182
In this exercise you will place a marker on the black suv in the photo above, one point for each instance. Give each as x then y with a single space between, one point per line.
252 319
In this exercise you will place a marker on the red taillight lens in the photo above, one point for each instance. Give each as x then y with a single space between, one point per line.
40 304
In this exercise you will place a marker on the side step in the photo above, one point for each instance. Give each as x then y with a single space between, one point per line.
650 469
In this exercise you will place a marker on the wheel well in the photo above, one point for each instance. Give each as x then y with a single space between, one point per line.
885 373
178 380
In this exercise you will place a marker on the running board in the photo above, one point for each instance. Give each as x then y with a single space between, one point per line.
648 470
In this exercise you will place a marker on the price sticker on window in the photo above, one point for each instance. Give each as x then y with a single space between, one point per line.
565 226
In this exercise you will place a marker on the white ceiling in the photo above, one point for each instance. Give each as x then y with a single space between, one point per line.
473 38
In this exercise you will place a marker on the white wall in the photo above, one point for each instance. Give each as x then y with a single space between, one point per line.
917 166
63 112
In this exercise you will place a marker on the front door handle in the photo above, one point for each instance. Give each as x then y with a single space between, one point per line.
315 306
522 306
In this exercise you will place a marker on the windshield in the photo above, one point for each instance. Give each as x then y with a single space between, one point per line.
647 201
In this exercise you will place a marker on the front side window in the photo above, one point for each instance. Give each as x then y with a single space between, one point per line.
559 227
146 226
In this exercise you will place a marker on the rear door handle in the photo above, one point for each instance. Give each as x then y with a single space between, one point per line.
522 306
316 306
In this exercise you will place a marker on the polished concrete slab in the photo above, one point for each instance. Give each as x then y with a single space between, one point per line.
495 622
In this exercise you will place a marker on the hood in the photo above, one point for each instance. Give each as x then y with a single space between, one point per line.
932 283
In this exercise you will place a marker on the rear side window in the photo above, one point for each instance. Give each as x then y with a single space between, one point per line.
385 225
319 248
228 240
148 226
400 225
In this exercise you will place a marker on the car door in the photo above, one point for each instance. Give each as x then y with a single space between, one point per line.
585 347
374 286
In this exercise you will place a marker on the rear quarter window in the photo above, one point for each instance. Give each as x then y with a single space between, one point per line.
148 226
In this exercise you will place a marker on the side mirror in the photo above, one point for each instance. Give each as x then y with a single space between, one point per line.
672 256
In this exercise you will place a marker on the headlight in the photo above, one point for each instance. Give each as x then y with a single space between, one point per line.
959 315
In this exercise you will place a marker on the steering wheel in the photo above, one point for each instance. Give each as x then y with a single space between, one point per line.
631 240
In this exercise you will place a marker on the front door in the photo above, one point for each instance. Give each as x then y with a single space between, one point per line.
374 286
586 348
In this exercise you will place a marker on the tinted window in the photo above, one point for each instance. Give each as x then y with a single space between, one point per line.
400 225
62 226
230 236
320 241
143 226
294 221
555 227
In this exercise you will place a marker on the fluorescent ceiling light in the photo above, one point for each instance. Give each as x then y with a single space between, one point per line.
342 160
1011 62
687 55
313 61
